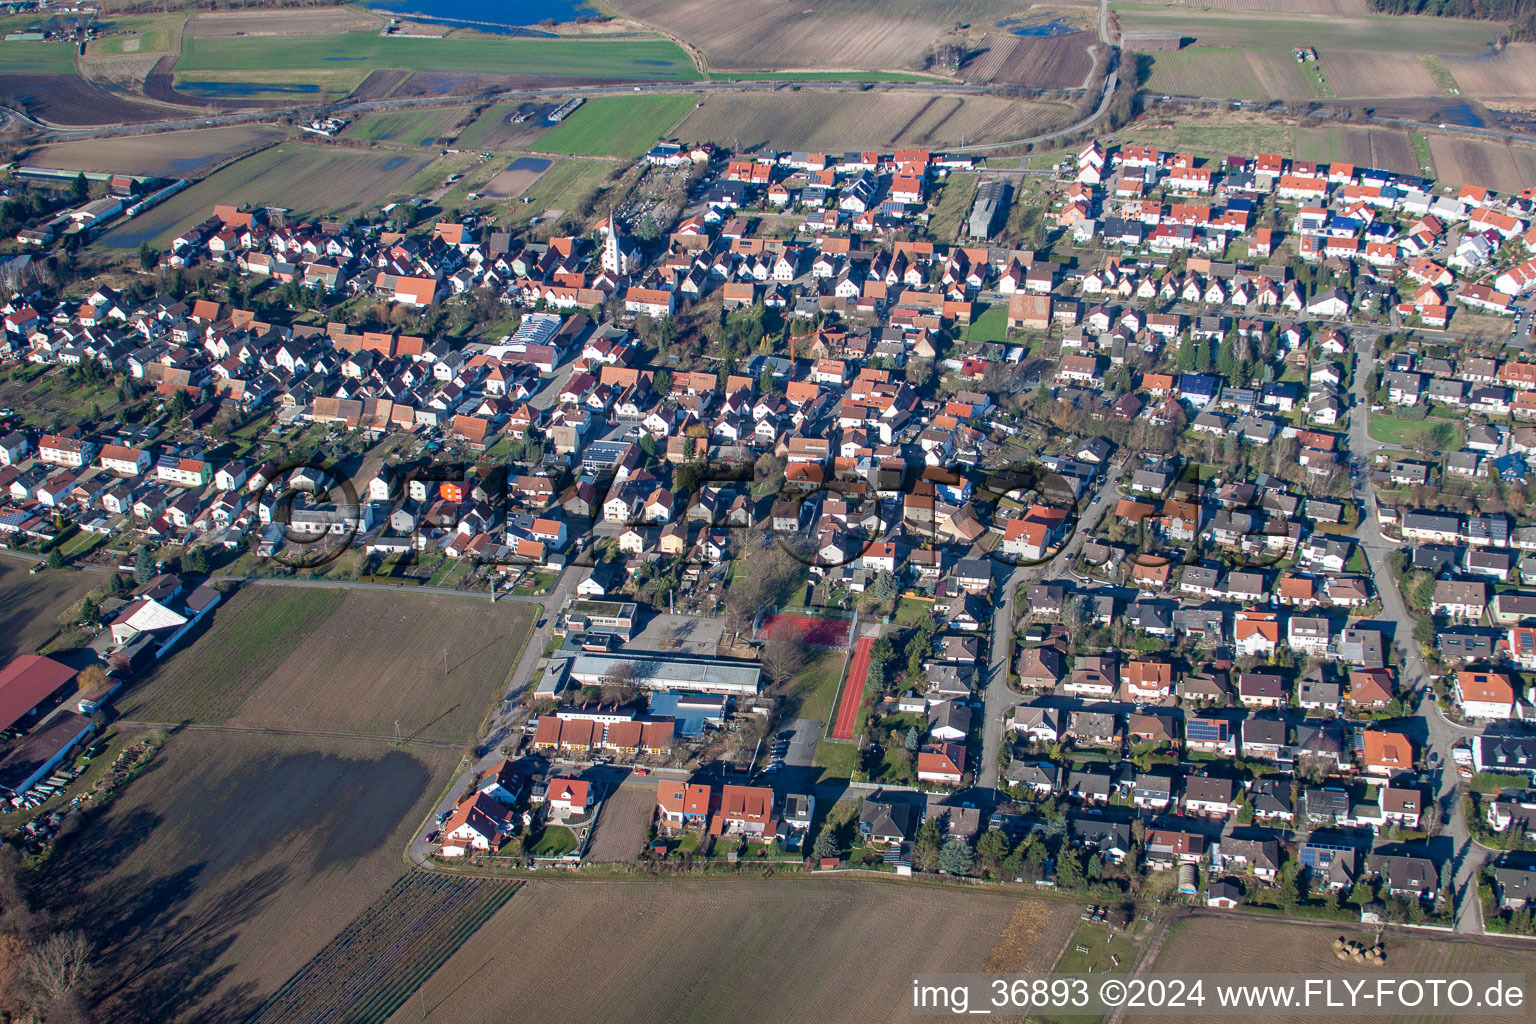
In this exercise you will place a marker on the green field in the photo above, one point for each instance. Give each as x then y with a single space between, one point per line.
150 33
37 58
622 126
563 187
992 325
1204 71
299 58
1218 140
413 127
1412 433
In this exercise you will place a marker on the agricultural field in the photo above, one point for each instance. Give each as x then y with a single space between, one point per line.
621 126
1281 6
36 58
68 100
1387 148
1051 62
355 662
373 966
1214 134
565 186
493 130
1280 76
283 21
777 950
1510 75
304 178
342 61
621 826
837 120
1248 30
518 178
30 606
135 34
842 34
1249 944
1498 165
411 127
1204 71
171 155
231 861
1364 75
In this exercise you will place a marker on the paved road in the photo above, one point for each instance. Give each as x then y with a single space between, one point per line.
508 718
1000 698
1442 735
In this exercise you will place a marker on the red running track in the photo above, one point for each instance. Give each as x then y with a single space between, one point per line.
853 690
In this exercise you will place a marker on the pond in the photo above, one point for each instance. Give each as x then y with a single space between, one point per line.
510 19
530 163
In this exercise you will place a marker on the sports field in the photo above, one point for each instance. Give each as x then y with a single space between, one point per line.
780 950
621 126
307 179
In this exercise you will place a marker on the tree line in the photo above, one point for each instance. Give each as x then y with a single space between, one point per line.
1521 14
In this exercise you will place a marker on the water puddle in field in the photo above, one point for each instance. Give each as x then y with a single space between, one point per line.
1459 114
529 163
243 90
1054 27
392 163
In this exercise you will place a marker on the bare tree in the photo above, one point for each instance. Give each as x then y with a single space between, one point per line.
56 974
621 682
783 656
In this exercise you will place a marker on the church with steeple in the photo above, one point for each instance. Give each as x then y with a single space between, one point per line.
620 257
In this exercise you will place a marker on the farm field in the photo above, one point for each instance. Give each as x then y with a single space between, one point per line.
1262 31
1364 75
1243 944
355 662
1214 135
1508 75
411 127
621 126
31 605
842 34
314 58
378 961
1281 6
230 862
836 120
37 58
68 100
133 34
1051 62
282 21
1387 148
565 186
492 131
304 178
1280 76
170 154
1204 71
1497 165
741 951
519 176
627 812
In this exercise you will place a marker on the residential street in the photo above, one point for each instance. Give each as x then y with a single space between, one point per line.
1442 735
504 721
1000 697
